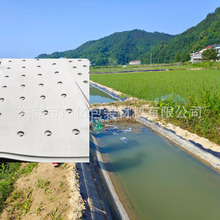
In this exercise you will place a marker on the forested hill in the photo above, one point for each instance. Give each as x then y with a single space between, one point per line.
118 48
196 38
122 47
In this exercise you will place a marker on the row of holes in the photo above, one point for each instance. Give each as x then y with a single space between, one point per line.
40 66
44 112
41 84
48 133
42 97
39 74
39 59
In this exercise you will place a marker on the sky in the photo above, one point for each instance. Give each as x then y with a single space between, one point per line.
31 27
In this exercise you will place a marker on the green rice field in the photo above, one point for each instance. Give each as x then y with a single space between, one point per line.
177 66
177 88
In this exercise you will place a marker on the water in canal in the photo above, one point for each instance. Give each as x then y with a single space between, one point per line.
158 179
97 96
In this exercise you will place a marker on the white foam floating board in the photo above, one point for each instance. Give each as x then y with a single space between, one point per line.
44 115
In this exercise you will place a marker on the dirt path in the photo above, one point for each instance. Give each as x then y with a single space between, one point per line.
46 193
130 71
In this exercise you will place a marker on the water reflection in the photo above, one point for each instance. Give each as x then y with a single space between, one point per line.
97 96
126 163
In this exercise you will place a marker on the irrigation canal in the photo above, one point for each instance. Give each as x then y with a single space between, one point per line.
154 178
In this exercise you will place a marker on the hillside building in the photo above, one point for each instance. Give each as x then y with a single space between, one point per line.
135 62
197 56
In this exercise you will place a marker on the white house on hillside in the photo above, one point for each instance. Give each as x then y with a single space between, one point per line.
217 47
197 56
135 62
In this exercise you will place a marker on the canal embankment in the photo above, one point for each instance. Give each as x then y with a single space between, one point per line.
116 208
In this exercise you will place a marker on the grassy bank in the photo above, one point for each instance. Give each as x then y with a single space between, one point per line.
44 192
9 173
182 95
175 66
97 69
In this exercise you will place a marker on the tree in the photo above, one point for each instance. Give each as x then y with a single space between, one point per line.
210 54
177 57
186 57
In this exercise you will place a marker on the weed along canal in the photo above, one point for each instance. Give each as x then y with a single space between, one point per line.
154 178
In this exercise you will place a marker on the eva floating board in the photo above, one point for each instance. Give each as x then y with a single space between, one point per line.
44 114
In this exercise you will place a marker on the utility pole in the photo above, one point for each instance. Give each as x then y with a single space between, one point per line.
151 59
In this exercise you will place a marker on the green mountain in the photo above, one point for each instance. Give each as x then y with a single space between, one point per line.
196 38
122 47
118 48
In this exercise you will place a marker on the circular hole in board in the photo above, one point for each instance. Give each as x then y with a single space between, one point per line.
53 63
6 76
48 133
80 74
39 74
59 83
8 68
45 112
38 66
9 61
23 66
43 97
84 65
20 133
23 75
41 84
2 99
69 110
75 131
56 72
64 95
85 81
4 87
23 60
22 86
22 114
22 98
74 67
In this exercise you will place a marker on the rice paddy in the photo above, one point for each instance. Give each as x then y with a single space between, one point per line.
194 88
